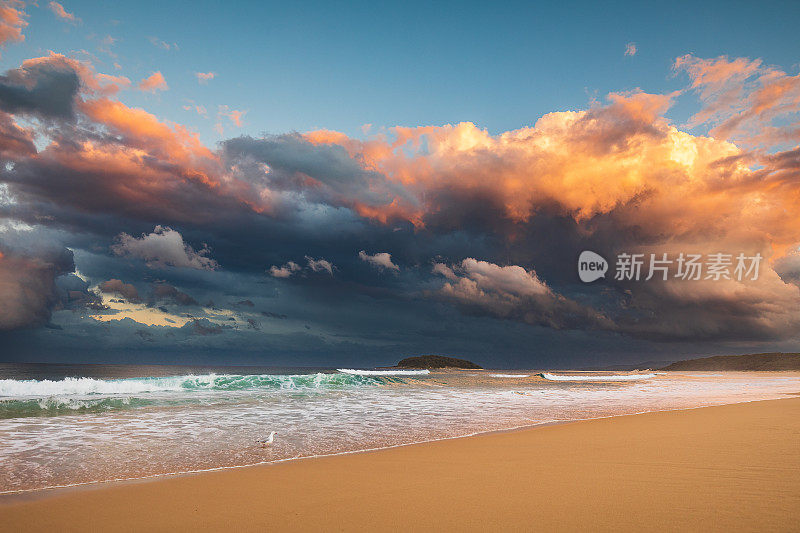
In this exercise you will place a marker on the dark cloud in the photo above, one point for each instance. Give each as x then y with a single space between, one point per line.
324 173
511 292
76 294
14 140
270 314
46 88
505 216
203 327
28 286
164 291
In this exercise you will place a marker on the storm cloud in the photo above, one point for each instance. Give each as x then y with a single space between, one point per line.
422 233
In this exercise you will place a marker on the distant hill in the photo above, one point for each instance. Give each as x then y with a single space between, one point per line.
436 361
749 362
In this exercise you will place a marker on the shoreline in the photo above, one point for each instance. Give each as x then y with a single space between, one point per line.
34 494
560 460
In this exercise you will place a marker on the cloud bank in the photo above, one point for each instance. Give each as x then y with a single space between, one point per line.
502 217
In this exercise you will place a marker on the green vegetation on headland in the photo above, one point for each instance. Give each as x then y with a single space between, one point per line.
750 362
436 361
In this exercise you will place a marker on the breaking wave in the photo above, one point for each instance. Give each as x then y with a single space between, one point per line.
353 372
20 398
31 388
597 377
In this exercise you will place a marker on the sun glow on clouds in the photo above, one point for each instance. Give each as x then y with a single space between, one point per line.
150 315
12 21
621 164
154 82
139 312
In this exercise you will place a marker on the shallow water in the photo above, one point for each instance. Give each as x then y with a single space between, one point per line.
84 424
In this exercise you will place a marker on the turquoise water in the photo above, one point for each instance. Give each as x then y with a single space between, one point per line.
81 425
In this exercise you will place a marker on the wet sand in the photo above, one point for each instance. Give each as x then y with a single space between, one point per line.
728 468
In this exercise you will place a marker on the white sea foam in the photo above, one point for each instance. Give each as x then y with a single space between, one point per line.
214 423
509 375
31 388
595 377
356 372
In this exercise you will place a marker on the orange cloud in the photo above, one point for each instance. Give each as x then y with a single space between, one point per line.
144 131
154 82
235 116
744 100
624 158
12 21
617 168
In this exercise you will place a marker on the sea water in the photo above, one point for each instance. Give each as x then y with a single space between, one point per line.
68 425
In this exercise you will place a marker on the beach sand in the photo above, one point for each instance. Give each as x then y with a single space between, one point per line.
728 468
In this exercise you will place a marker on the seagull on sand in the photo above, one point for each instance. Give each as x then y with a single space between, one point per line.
268 440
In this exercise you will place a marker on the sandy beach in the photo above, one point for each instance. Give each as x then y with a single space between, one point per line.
726 468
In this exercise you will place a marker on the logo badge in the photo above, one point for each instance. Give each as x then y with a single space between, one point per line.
591 266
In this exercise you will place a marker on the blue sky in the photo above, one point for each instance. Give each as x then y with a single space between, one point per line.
309 65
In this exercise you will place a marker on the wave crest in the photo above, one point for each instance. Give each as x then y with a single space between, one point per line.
601 377
31 388
354 372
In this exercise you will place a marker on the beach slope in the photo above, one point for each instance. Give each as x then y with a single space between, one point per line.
728 468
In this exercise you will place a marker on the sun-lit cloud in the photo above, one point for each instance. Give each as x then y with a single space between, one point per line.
320 265
234 115
285 270
12 21
120 288
618 175
154 82
164 247
753 104
62 13
139 312
199 109
291 268
204 77
381 260
513 292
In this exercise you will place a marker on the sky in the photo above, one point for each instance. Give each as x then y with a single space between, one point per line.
348 184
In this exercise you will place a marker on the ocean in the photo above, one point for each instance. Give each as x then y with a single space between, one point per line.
64 425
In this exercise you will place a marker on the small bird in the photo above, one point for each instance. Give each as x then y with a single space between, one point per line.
268 440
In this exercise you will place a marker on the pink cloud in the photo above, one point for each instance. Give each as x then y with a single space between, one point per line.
62 13
743 99
235 116
12 21
204 77
154 82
